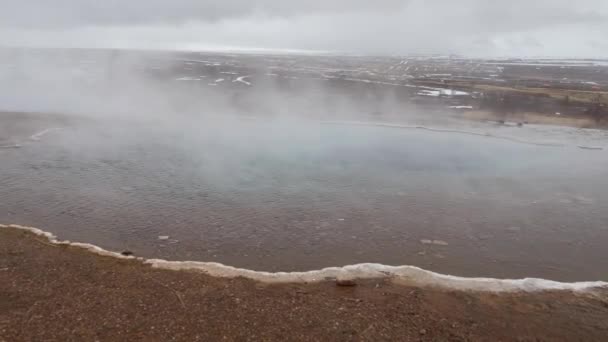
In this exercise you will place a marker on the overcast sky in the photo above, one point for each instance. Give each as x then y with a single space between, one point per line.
564 28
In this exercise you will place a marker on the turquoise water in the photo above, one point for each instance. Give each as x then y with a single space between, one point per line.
292 195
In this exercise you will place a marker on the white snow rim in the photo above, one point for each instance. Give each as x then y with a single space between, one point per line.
409 275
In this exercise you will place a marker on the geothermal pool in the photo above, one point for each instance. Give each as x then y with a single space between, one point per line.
292 195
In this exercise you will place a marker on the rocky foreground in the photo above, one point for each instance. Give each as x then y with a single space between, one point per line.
62 293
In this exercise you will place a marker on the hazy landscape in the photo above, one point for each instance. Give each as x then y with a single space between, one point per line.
286 163
305 171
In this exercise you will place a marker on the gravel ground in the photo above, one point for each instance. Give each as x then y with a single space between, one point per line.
59 293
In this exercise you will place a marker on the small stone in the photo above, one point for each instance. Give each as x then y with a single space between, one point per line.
126 253
346 282
422 331
163 237
484 236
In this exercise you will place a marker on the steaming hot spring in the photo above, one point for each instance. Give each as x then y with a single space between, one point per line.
295 194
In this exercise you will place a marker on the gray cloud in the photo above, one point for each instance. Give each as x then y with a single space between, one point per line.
69 13
479 27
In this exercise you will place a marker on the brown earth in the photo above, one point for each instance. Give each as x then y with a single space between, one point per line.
558 94
531 118
60 293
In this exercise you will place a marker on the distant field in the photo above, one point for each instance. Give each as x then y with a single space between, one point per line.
320 86
559 94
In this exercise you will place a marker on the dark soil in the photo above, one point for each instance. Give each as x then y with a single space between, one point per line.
59 293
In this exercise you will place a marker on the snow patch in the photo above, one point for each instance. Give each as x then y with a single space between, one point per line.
434 242
188 78
242 80
39 135
432 93
53 239
410 275
10 146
